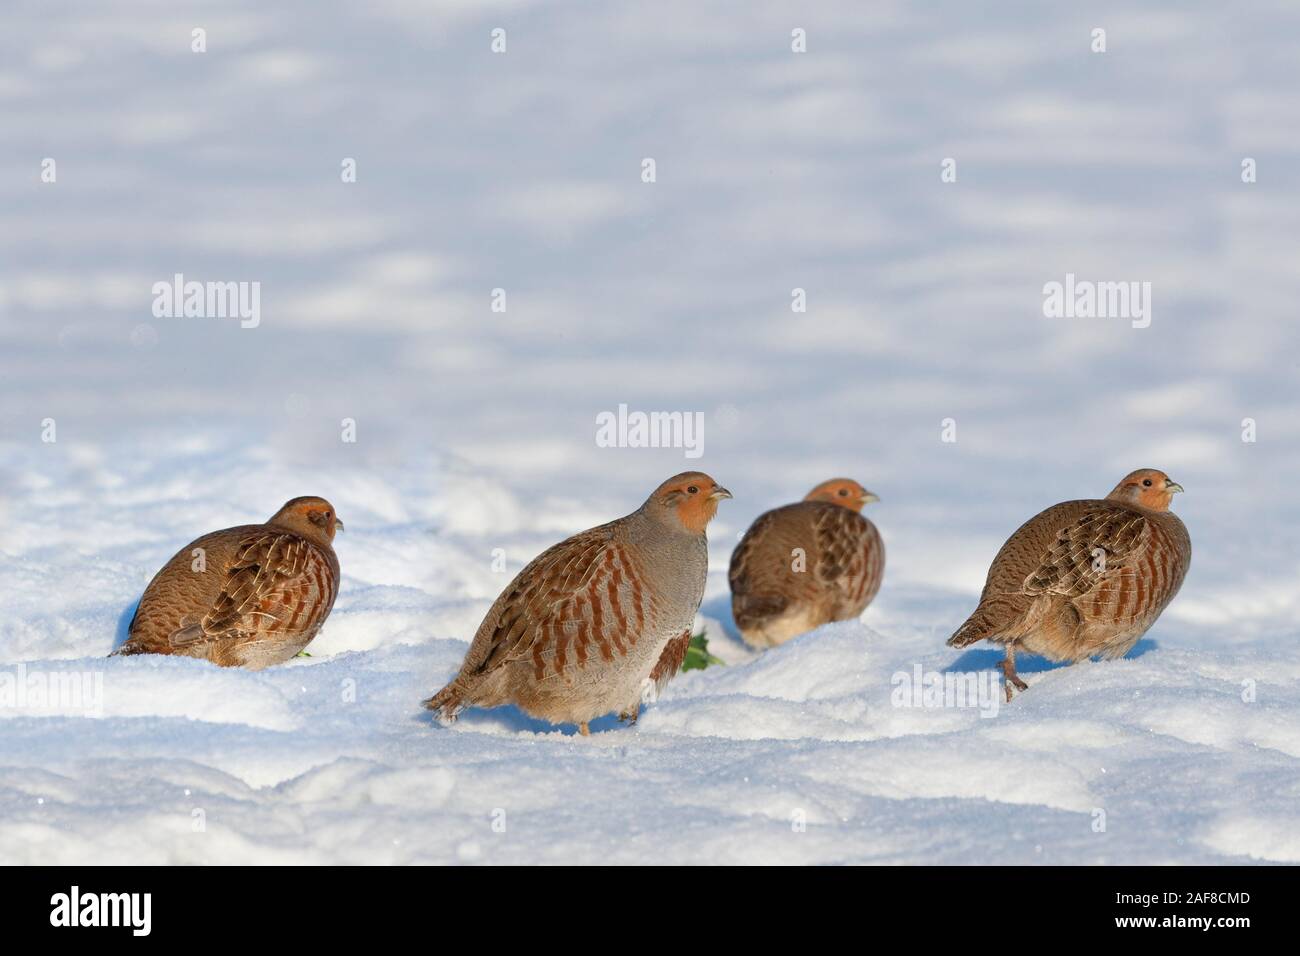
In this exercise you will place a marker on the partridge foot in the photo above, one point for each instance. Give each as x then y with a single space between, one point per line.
1008 668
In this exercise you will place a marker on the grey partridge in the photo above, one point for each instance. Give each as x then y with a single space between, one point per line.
806 564
249 596
1084 578
593 624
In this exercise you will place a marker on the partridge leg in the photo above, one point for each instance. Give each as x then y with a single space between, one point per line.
584 729
1008 667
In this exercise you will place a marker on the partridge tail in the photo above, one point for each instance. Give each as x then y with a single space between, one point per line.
979 626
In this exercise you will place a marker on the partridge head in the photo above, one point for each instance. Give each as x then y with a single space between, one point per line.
311 517
842 491
688 501
1148 488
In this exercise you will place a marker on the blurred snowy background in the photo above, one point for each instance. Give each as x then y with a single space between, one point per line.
522 171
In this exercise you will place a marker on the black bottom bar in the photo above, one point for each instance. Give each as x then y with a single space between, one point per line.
337 905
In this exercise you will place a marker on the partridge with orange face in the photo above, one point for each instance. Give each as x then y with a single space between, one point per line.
249 596
806 564
593 623
1084 578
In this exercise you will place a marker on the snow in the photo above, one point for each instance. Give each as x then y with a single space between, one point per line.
806 753
476 430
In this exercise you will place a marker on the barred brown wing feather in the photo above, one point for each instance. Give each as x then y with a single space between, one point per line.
1101 544
740 572
818 558
849 557
268 589
577 601
763 577
780 554
1145 583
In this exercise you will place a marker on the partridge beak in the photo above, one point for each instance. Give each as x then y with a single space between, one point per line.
1172 486
719 492
338 524
868 498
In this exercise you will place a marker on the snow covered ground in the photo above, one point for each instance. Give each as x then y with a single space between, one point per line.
801 754
475 429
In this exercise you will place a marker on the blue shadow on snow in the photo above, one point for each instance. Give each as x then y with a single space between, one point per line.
1026 663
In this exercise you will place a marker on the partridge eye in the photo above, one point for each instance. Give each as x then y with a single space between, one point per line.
1146 482
844 492
693 490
